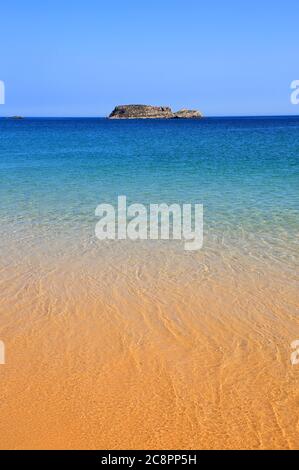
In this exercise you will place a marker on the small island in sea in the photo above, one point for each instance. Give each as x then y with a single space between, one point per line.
141 111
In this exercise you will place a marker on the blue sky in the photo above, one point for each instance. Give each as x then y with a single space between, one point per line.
75 58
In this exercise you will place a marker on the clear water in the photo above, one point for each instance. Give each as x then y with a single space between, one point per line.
54 172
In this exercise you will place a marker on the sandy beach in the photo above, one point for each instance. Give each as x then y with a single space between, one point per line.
146 348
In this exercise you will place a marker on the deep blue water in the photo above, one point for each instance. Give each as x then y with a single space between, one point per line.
244 171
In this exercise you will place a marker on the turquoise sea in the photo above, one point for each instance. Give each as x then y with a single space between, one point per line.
54 172
141 344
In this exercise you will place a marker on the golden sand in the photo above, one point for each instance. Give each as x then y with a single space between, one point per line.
144 349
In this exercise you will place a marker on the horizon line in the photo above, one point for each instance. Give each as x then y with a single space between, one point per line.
153 119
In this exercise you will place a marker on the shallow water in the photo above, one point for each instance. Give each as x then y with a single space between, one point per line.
126 344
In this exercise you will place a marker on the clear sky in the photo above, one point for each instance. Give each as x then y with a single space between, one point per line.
81 58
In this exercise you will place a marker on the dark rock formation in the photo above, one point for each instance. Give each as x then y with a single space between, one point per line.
187 114
140 111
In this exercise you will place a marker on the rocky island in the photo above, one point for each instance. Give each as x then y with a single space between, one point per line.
141 111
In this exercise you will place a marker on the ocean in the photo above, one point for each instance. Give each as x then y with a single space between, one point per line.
54 172
190 349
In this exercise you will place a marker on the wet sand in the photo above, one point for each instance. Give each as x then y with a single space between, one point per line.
141 349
